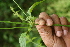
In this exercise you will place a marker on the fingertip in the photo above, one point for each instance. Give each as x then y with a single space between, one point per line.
37 21
59 33
41 22
65 32
49 22
43 15
53 15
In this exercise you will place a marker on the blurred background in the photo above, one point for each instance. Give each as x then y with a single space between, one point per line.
10 37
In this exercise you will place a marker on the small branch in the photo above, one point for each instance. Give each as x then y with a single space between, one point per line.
57 25
19 7
13 22
13 27
61 25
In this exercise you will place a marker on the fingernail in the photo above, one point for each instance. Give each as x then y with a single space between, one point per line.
65 32
49 22
59 33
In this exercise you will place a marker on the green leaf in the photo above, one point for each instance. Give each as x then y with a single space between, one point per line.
34 38
22 40
33 6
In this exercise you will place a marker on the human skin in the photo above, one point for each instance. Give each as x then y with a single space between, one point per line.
53 36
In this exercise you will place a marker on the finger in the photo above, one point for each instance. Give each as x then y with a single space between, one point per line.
64 22
68 23
47 18
40 21
58 29
37 21
46 34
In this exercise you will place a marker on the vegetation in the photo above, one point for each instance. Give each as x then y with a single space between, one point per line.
14 21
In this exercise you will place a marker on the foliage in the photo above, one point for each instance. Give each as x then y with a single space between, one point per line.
22 40
20 21
61 8
33 6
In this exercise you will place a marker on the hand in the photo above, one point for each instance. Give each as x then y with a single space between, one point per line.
56 36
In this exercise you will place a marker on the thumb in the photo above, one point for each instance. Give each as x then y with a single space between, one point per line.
46 34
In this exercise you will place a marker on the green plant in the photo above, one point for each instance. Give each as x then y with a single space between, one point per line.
28 20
